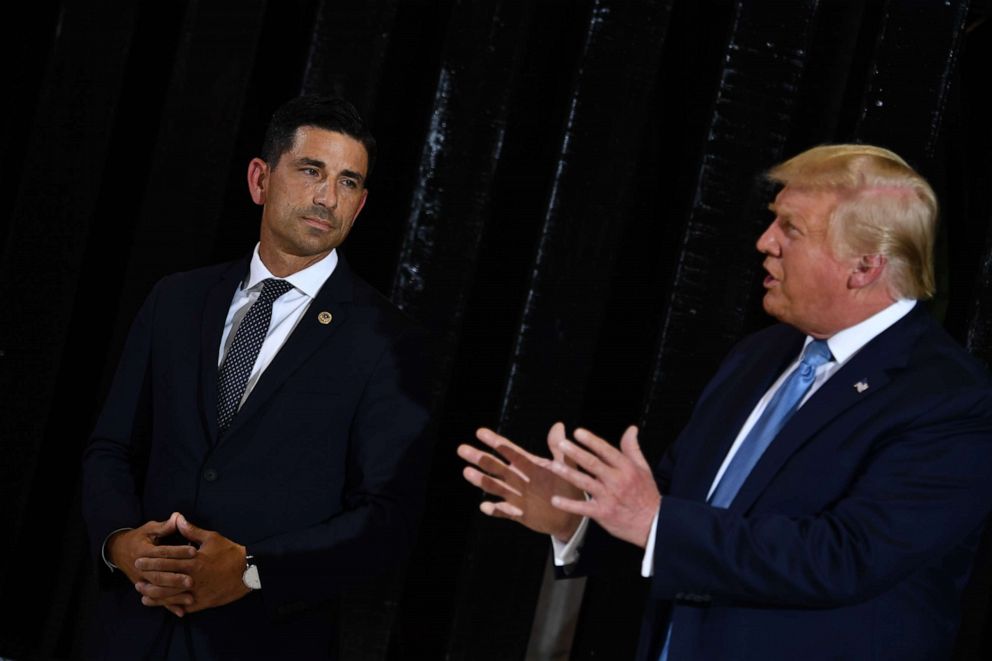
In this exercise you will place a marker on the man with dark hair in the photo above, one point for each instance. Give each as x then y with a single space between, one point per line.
827 495
263 446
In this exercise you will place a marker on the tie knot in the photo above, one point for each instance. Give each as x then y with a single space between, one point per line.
816 353
273 289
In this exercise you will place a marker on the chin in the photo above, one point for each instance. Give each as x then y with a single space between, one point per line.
774 311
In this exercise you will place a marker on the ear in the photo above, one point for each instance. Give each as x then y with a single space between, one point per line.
258 179
868 271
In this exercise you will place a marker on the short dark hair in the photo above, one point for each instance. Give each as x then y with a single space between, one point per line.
323 112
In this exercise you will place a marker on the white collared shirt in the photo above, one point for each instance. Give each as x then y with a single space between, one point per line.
287 310
843 346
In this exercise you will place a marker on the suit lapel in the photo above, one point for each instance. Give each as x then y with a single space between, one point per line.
313 329
215 309
873 366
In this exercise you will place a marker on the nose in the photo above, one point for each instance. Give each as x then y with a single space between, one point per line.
324 195
768 241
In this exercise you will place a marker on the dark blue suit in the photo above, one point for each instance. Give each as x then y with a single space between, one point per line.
321 474
854 535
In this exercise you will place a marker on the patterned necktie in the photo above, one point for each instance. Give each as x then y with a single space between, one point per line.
779 410
232 378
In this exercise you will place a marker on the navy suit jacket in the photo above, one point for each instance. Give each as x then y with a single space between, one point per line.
321 474
854 535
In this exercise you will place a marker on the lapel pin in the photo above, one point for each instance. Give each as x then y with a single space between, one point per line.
325 318
861 386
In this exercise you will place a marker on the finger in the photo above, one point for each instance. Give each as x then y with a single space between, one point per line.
501 510
601 448
470 453
168 580
191 532
580 480
495 441
181 566
488 484
483 460
182 600
588 508
184 551
508 473
487 462
631 448
163 528
555 436
587 460
520 460
175 610
158 592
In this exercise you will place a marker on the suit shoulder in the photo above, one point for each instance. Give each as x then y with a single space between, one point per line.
198 276
374 303
938 357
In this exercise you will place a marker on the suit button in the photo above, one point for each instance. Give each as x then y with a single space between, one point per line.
210 475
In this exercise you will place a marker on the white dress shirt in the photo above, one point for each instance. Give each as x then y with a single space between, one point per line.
287 310
843 346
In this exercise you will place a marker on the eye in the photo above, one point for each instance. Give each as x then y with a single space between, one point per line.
788 227
349 183
310 172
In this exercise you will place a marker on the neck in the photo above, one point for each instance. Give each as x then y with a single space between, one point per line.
282 265
857 311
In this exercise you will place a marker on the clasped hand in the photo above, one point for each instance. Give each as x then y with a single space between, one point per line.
590 478
182 578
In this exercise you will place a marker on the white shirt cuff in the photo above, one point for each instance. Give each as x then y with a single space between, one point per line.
567 553
647 564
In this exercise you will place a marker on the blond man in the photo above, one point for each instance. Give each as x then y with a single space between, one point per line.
826 497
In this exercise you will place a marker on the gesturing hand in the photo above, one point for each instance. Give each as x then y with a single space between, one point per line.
214 570
623 495
524 481
127 548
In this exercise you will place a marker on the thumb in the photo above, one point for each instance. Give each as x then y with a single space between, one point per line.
555 436
189 531
164 528
632 449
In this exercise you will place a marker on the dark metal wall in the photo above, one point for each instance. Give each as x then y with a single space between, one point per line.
568 194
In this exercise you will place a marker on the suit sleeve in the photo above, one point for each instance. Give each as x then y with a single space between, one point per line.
386 478
113 461
922 491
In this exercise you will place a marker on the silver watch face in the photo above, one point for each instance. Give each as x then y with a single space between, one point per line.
250 578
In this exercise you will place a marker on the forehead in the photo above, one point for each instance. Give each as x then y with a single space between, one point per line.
336 150
810 208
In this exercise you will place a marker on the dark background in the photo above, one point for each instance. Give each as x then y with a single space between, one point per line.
568 193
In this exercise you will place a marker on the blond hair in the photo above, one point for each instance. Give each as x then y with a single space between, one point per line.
885 208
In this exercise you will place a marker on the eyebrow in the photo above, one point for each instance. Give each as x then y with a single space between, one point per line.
354 175
317 163
304 160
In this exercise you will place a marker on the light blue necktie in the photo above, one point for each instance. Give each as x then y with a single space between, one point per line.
784 403
776 414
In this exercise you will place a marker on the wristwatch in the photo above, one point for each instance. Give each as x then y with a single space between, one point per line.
250 577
